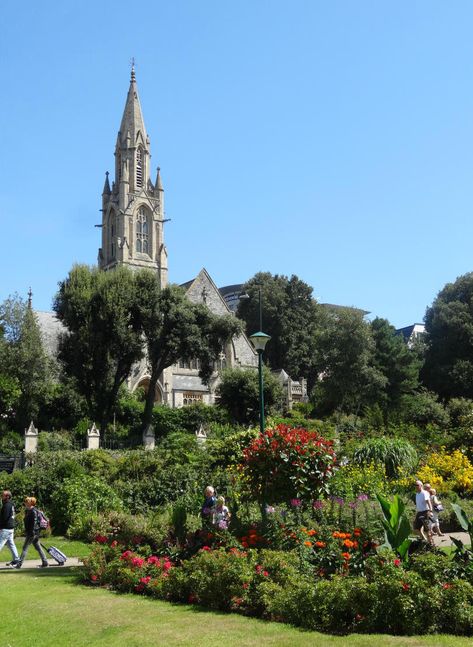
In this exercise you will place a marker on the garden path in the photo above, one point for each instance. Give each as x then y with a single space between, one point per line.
34 563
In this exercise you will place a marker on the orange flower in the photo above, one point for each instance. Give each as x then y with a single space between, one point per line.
320 544
308 544
346 556
311 533
348 543
357 532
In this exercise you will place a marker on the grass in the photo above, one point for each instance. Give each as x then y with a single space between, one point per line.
69 547
48 608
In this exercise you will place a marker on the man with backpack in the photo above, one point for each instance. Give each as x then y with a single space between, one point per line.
7 526
32 530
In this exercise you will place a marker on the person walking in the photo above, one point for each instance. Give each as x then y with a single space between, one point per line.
437 508
7 526
32 530
423 522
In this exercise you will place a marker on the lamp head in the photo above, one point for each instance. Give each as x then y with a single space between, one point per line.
259 340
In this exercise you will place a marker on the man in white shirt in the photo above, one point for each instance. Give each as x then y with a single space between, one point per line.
423 520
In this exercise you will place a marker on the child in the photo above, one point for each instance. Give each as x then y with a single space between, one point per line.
221 514
209 504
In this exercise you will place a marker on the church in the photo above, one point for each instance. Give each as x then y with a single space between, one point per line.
132 228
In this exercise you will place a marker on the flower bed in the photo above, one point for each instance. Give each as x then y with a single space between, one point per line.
380 594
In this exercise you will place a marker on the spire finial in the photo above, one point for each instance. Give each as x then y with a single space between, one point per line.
30 297
132 69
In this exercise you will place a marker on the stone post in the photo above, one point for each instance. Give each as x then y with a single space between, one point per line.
93 438
149 439
31 439
201 435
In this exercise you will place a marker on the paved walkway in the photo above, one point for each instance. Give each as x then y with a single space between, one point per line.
29 564
441 542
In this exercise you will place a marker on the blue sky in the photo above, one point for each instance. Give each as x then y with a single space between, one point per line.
332 140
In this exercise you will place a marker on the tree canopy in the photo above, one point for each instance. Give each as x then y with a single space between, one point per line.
290 316
448 368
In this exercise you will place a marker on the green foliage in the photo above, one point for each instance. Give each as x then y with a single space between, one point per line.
78 498
393 453
238 394
344 351
464 521
52 441
285 463
103 334
396 525
423 408
175 329
290 317
393 358
448 368
23 363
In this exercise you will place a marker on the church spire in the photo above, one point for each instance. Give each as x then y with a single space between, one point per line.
132 123
106 186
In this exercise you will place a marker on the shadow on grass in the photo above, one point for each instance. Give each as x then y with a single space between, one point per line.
52 571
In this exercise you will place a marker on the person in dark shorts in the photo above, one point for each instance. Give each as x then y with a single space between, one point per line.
423 520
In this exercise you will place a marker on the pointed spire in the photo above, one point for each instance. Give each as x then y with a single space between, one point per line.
158 184
132 122
30 298
106 186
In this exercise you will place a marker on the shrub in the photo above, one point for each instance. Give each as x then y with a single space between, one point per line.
284 464
80 497
447 471
393 453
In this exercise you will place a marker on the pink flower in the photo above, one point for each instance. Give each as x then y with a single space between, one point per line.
296 503
154 560
137 561
318 505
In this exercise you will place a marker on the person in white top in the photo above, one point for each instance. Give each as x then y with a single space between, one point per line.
423 522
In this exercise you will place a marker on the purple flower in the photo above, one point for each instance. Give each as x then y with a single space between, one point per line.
318 505
222 524
352 505
362 497
296 503
337 499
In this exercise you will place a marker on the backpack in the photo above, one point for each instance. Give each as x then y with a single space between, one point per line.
42 520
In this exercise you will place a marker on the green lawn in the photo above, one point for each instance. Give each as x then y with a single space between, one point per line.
47 608
69 547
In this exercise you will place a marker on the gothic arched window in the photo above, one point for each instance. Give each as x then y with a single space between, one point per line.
142 229
139 167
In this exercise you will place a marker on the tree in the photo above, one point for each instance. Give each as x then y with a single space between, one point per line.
290 317
103 337
238 393
448 367
175 329
344 355
393 358
23 359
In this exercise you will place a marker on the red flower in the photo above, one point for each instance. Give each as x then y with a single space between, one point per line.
94 578
154 560
101 539
137 561
397 562
265 573
447 585
206 548
405 586
114 543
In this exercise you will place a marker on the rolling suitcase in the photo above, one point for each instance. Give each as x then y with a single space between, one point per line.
56 554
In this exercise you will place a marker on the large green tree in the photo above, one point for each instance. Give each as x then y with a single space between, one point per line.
448 368
103 334
290 315
174 328
348 378
23 361
396 361
238 394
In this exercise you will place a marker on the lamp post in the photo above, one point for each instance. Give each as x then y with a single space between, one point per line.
259 340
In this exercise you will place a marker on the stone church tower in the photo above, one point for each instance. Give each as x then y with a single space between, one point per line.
133 208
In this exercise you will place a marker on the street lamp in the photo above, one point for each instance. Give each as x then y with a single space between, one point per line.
259 341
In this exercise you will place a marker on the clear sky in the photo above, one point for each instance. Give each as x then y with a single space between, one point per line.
328 139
